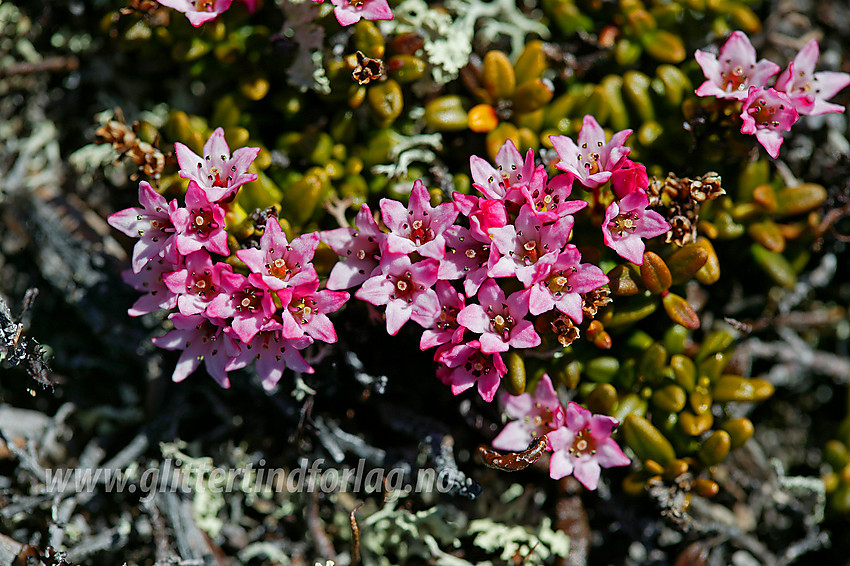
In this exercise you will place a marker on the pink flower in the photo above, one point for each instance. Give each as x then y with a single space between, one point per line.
218 173
197 282
593 160
583 446
501 322
149 281
483 213
467 254
809 91
360 250
511 171
629 177
527 247
406 290
309 309
627 222
767 113
200 225
272 354
201 340
151 224
562 284
735 70
535 416
463 365
446 329
248 302
198 11
549 198
280 263
349 12
419 227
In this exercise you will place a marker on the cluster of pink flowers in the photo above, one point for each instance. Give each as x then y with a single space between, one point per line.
347 12
224 318
768 111
593 161
580 442
476 285
200 11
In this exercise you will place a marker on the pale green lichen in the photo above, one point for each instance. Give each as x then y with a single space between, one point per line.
449 40
212 487
406 535
534 546
307 71
407 150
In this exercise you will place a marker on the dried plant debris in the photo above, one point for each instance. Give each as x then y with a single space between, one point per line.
17 349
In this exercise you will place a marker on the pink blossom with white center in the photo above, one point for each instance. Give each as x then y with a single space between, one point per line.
197 282
248 302
767 113
628 222
809 91
271 354
198 11
151 224
349 12
535 416
406 289
419 227
527 247
149 281
446 329
482 213
464 365
359 249
308 309
511 172
200 225
735 70
629 177
549 198
593 159
281 263
500 321
583 446
562 284
467 254
217 173
202 340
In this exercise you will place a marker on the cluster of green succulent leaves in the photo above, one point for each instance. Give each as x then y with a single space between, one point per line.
328 141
